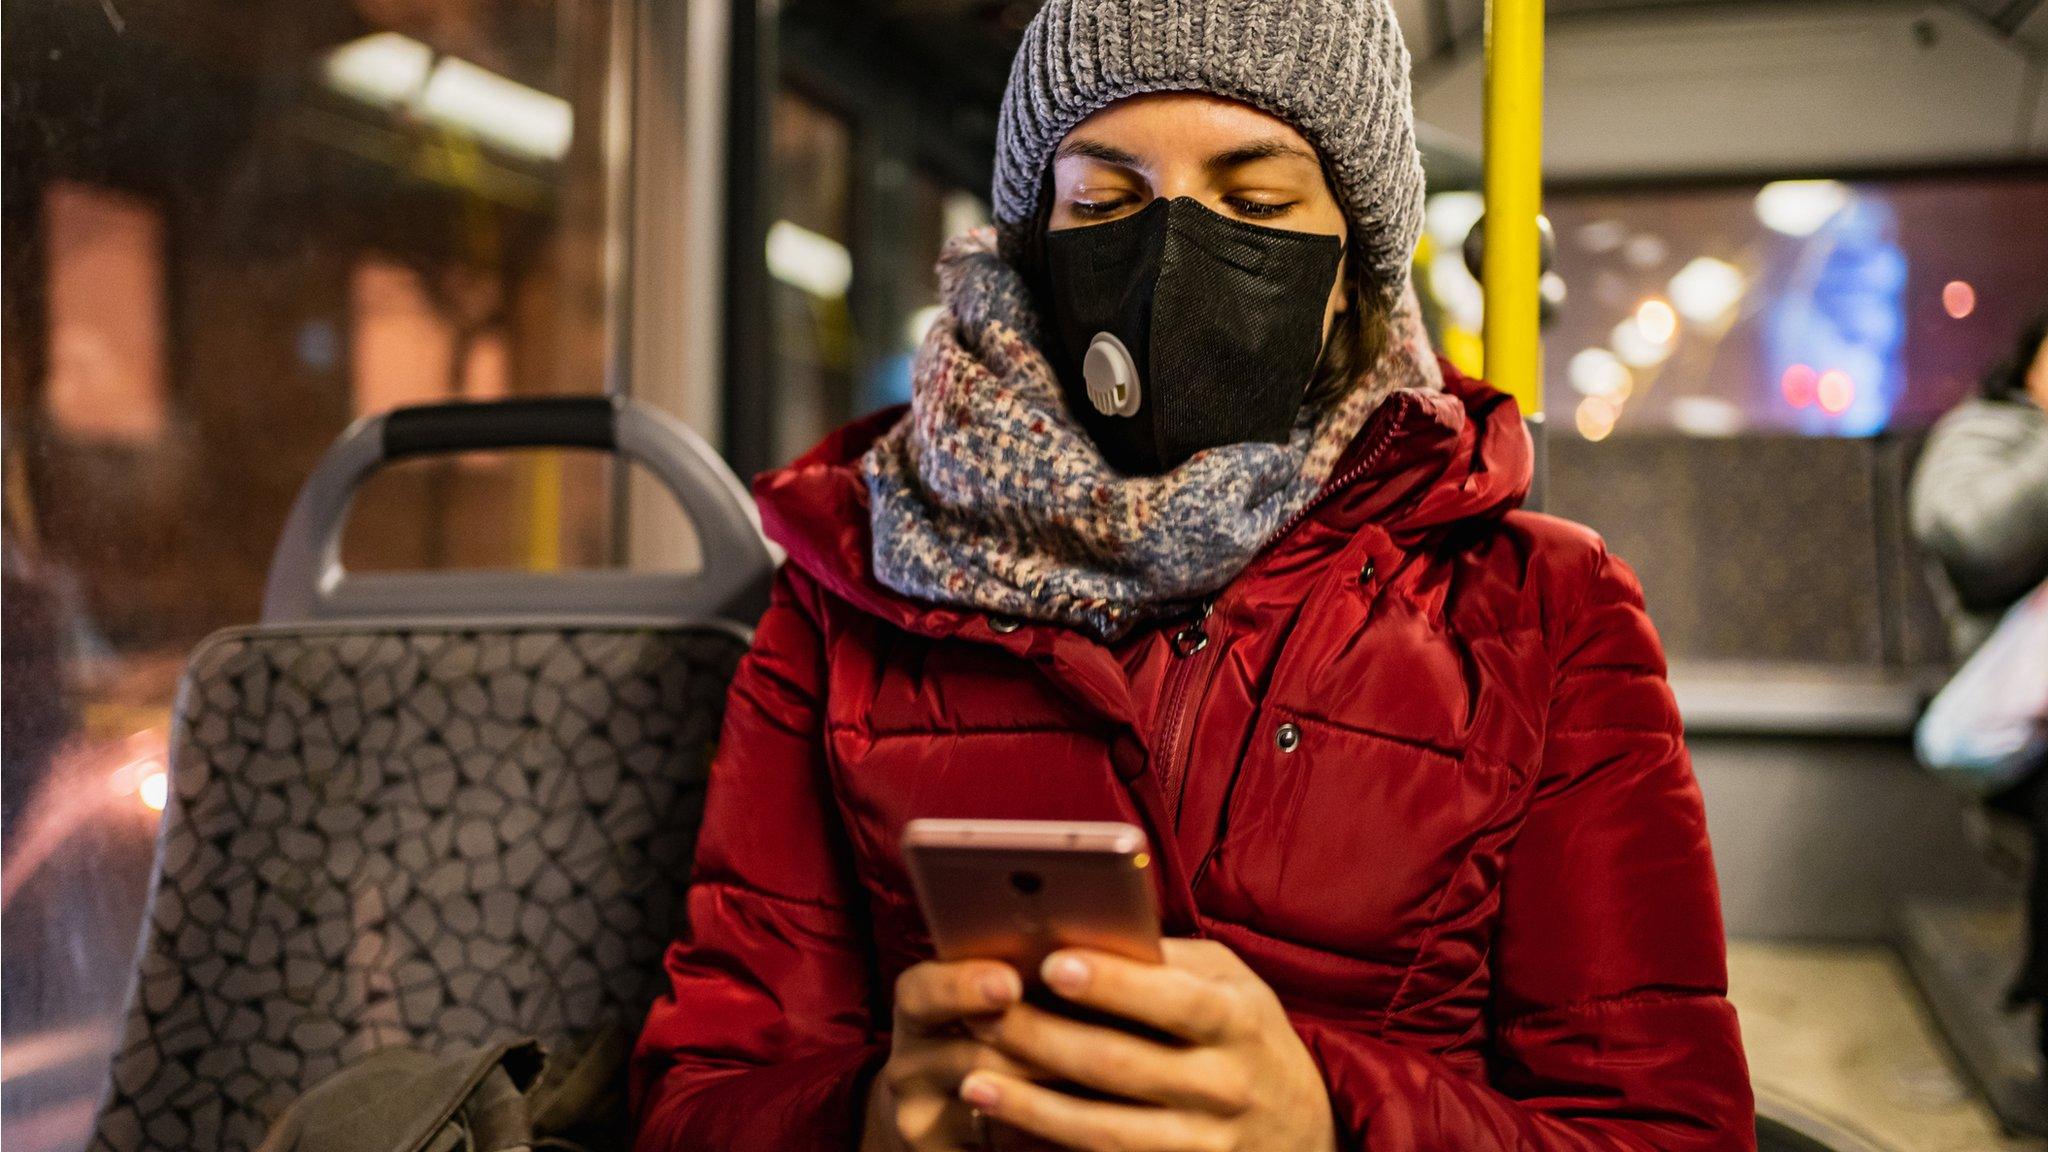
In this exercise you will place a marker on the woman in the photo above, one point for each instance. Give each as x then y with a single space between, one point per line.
1186 528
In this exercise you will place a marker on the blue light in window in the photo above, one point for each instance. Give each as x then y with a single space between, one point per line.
1840 309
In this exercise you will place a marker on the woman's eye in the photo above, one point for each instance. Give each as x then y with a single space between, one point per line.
1258 210
1091 209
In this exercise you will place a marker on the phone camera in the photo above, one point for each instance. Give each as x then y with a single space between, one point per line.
1027 882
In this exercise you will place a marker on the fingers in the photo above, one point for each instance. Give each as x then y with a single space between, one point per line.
933 1123
1197 995
1101 1126
940 1065
933 994
923 1091
1116 1062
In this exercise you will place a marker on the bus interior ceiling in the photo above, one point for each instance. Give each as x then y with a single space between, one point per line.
218 253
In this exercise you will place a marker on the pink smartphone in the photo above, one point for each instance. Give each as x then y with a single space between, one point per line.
1017 890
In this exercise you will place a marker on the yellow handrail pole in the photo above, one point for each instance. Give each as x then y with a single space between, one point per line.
1514 198
544 512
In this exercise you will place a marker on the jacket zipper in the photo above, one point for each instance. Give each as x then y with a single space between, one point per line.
1189 642
1192 640
1381 438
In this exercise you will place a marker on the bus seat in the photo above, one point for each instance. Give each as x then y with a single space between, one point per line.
440 809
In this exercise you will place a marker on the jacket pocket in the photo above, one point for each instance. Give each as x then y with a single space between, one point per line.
1348 839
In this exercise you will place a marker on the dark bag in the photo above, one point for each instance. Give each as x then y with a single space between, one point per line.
504 1098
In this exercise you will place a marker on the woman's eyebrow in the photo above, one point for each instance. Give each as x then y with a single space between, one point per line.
1096 150
1258 150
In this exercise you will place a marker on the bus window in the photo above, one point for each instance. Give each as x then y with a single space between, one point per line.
226 236
810 262
1812 307
937 212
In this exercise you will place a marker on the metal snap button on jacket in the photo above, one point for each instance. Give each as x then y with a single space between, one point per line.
1003 625
1288 738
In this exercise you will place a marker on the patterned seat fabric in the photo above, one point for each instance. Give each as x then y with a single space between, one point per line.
430 835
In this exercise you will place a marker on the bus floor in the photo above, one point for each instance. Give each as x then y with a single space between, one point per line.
1838 1031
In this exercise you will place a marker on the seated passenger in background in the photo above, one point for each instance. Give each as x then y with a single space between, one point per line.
1980 509
1980 496
1427 837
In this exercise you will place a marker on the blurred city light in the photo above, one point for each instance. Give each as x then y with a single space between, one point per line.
1706 290
1599 372
134 771
1835 391
1462 297
1709 416
1602 236
144 778
1658 322
1800 208
1450 216
1635 348
505 112
386 69
1595 418
920 322
1646 251
393 71
1959 299
1799 385
804 259
155 790
1844 309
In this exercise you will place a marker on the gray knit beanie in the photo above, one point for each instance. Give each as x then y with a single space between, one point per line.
1335 69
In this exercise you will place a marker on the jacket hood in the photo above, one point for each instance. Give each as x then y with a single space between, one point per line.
1424 463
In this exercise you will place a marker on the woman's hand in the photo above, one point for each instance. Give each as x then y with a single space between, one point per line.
1240 1079
915 1104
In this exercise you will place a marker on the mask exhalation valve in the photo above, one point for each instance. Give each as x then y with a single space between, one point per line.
1111 375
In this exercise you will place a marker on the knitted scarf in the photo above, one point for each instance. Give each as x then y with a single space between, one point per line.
988 494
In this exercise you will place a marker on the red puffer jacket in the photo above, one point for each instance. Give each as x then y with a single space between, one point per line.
1425 777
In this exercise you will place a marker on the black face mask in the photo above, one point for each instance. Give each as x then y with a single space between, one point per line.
1177 329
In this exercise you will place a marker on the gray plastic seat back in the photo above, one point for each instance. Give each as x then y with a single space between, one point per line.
415 830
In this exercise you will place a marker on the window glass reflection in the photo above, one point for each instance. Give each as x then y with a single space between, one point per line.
937 214
105 314
810 263
852 269
229 230
1810 307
